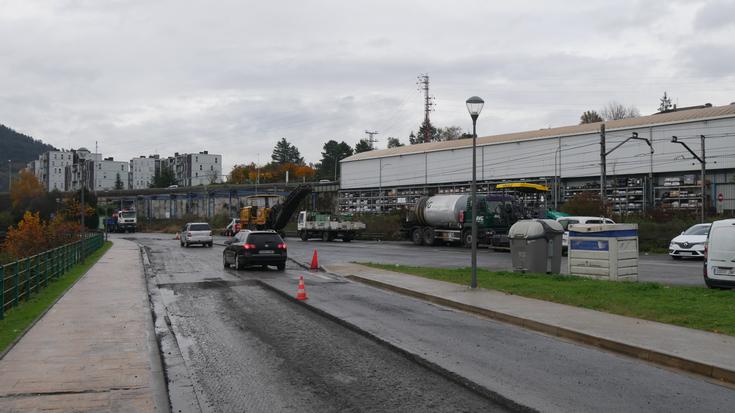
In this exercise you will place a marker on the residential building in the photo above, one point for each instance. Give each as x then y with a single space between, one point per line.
143 170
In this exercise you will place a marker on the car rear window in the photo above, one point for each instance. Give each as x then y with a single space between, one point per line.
262 238
199 227
722 243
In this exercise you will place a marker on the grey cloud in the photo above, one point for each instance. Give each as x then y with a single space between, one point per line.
715 15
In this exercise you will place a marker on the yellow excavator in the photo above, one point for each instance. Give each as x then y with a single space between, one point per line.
265 211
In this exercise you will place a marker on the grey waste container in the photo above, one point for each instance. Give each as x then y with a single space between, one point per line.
535 245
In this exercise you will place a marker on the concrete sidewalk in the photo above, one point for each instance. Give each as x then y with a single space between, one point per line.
696 351
94 350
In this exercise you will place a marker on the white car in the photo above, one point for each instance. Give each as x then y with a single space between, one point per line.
196 233
690 243
719 255
567 221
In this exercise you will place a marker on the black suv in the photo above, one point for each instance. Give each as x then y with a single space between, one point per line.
262 248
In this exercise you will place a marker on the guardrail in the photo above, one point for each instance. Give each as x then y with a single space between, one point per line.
20 279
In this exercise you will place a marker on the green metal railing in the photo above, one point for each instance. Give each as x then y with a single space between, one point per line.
22 278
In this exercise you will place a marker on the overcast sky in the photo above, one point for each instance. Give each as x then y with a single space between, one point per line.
233 77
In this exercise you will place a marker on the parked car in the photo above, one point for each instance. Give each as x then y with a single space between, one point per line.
690 243
196 233
232 228
567 221
719 255
262 248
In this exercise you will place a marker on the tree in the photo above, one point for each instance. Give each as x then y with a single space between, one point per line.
427 128
665 103
284 152
118 182
238 175
450 133
413 139
332 153
590 116
394 143
25 190
27 238
363 145
163 178
614 110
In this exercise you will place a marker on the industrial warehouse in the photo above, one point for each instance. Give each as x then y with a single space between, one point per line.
651 167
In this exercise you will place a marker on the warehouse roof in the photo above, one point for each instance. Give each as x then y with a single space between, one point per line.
664 118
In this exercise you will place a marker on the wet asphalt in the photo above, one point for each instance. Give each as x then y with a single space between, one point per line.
659 268
247 348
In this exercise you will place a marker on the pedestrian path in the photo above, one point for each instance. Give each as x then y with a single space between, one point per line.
697 351
94 350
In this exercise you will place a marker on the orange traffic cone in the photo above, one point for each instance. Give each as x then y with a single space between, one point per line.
178 236
314 261
301 292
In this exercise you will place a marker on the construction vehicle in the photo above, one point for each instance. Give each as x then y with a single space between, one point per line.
323 225
447 218
265 212
125 220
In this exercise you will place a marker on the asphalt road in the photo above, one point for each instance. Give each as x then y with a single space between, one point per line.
247 348
658 268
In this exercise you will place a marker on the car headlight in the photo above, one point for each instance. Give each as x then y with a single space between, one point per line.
671 246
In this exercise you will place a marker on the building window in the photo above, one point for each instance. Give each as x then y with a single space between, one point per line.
211 167
215 160
200 167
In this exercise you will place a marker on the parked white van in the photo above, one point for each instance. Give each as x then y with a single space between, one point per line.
719 255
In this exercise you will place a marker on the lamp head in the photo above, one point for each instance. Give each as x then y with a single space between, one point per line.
474 106
674 139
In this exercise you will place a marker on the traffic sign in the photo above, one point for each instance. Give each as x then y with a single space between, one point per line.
720 197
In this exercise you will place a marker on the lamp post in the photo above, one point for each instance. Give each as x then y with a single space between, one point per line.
703 163
474 106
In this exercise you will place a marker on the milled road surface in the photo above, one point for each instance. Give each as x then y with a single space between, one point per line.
250 349
658 268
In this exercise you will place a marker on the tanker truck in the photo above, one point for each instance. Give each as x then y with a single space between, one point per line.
448 218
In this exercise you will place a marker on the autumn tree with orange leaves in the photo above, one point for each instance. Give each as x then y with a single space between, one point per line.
25 189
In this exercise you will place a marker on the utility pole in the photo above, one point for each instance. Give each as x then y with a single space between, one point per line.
81 206
703 162
603 164
423 86
371 139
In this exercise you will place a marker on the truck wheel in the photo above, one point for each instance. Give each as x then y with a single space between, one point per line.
325 236
467 238
347 237
304 236
417 236
429 236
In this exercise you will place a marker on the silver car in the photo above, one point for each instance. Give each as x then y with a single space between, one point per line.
196 233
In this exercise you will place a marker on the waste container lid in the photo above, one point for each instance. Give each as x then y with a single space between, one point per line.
610 230
535 228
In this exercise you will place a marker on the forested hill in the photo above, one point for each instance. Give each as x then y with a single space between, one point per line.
19 149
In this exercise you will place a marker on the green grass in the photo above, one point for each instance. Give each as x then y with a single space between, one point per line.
693 307
19 318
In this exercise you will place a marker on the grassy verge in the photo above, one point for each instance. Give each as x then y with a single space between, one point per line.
19 318
693 307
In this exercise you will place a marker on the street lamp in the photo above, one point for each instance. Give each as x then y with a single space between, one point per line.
702 161
474 106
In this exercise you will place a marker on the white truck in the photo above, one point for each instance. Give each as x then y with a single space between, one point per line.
323 225
124 221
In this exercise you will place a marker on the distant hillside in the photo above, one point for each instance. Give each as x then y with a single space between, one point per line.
20 149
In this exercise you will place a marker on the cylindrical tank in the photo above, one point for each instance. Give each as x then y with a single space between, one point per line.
441 211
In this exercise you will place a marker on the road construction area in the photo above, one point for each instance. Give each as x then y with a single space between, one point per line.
237 341
659 268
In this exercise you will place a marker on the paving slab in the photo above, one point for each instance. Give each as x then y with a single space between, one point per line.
92 351
697 351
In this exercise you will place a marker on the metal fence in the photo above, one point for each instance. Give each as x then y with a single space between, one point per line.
22 278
